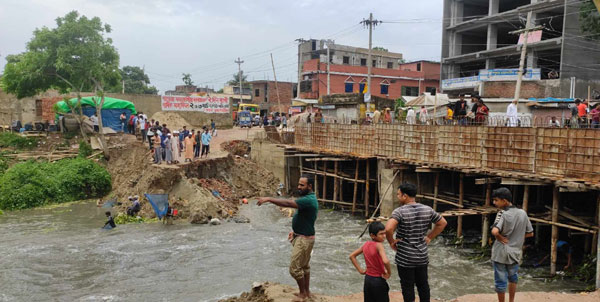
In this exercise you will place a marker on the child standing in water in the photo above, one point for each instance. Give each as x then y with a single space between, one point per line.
378 265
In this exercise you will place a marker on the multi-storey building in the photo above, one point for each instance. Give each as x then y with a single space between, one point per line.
347 73
268 95
480 54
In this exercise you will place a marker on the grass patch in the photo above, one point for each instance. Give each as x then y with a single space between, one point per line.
12 140
32 184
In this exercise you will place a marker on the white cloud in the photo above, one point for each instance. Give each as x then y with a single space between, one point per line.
204 37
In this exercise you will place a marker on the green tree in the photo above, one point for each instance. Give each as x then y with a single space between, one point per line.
135 81
187 79
589 20
235 81
380 48
73 57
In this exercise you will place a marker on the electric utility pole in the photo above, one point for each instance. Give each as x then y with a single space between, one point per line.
370 23
276 88
239 62
525 33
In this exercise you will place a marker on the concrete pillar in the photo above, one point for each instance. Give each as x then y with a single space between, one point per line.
456 12
532 59
494 7
456 44
492 37
386 176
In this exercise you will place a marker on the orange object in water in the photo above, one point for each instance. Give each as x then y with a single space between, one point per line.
245 201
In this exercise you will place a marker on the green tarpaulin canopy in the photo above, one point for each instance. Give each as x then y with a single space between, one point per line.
109 103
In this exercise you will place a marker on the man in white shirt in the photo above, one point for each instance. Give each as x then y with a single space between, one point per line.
512 119
142 125
411 116
94 120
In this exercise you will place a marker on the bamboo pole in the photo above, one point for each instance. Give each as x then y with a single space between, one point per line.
325 180
597 244
316 180
553 249
367 191
461 195
485 228
355 188
436 190
538 227
564 225
317 172
335 181
525 198
440 200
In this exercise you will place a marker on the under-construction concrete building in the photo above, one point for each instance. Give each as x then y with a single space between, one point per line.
478 49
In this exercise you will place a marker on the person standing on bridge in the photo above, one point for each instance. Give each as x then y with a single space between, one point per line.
302 236
410 222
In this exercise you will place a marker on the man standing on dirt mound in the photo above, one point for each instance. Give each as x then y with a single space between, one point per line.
302 236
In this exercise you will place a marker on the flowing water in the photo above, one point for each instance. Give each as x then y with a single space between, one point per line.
61 254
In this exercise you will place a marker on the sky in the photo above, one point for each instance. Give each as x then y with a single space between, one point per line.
204 38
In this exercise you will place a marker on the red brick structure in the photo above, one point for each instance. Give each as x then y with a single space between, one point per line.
410 79
264 94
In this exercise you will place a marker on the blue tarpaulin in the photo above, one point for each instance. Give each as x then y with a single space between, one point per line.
160 203
110 117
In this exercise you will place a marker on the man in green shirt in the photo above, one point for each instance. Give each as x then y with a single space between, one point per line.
302 236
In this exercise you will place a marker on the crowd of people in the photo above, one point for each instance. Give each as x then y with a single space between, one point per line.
169 146
408 232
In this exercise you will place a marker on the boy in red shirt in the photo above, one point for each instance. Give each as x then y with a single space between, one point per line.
378 268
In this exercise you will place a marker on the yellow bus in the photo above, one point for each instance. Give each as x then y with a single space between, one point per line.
253 108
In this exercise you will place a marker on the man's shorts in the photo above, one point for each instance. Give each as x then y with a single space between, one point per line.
301 249
504 273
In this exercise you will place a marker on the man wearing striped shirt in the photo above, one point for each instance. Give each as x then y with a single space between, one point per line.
411 223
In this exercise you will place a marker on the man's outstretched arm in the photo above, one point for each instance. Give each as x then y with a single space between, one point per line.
286 203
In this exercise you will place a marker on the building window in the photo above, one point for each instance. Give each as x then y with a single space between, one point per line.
349 87
410 91
431 90
256 92
418 66
384 89
363 62
361 87
390 65
374 64
314 45
346 60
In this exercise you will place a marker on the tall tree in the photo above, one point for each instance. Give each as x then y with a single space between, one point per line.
187 79
235 81
73 57
589 19
135 81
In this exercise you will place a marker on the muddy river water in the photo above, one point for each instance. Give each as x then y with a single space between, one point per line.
61 254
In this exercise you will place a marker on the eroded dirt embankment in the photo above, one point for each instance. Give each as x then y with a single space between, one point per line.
208 187
273 292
